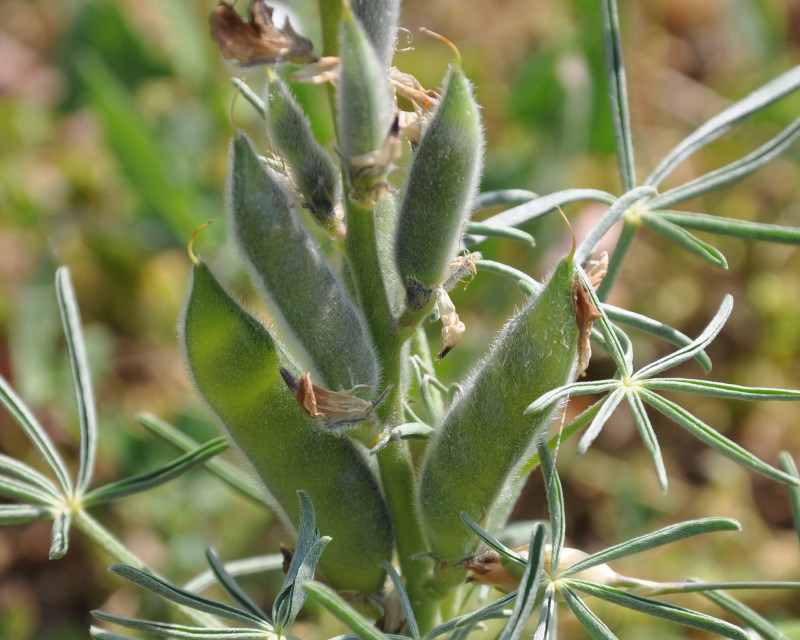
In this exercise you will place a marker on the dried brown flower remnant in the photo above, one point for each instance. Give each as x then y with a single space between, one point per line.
257 41
331 407
489 567
585 311
452 327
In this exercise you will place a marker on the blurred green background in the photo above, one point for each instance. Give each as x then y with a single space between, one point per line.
114 123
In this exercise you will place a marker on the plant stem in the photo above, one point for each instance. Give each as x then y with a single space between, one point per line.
102 536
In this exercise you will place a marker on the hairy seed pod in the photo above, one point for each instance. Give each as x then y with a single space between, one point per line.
364 111
313 304
313 171
380 24
441 184
485 436
235 363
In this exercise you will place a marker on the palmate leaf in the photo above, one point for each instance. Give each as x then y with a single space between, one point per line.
725 120
87 412
555 503
732 172
494 610
656 608
150 479
684 239
537 207
36 434
547 625
183 597
665 535
731 227
713 438
231 587
21 471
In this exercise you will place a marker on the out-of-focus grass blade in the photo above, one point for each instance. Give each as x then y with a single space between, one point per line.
696 346
220 468
150 479
789 466
182 597
648 436
713 438
618 94
684 239
170 630
656 328
231 587
725 121
141 157
588 245
732 172
59 535
81 377
36 434
667 611
732 227
594 625
759 624
666 535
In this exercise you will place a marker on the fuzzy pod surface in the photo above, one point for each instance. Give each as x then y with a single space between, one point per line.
485 435
363 99
315 307
380 24
441 184
313 171
234 362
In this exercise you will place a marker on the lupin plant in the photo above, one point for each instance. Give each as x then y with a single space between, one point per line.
323 402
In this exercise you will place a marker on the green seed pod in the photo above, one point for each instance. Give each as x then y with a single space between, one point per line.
441 184
313 171
313 304
235 364
364 111
485 436
380 24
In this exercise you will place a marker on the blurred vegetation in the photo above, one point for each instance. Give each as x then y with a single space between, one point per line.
114 124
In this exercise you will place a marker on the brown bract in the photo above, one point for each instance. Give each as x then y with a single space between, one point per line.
257 41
